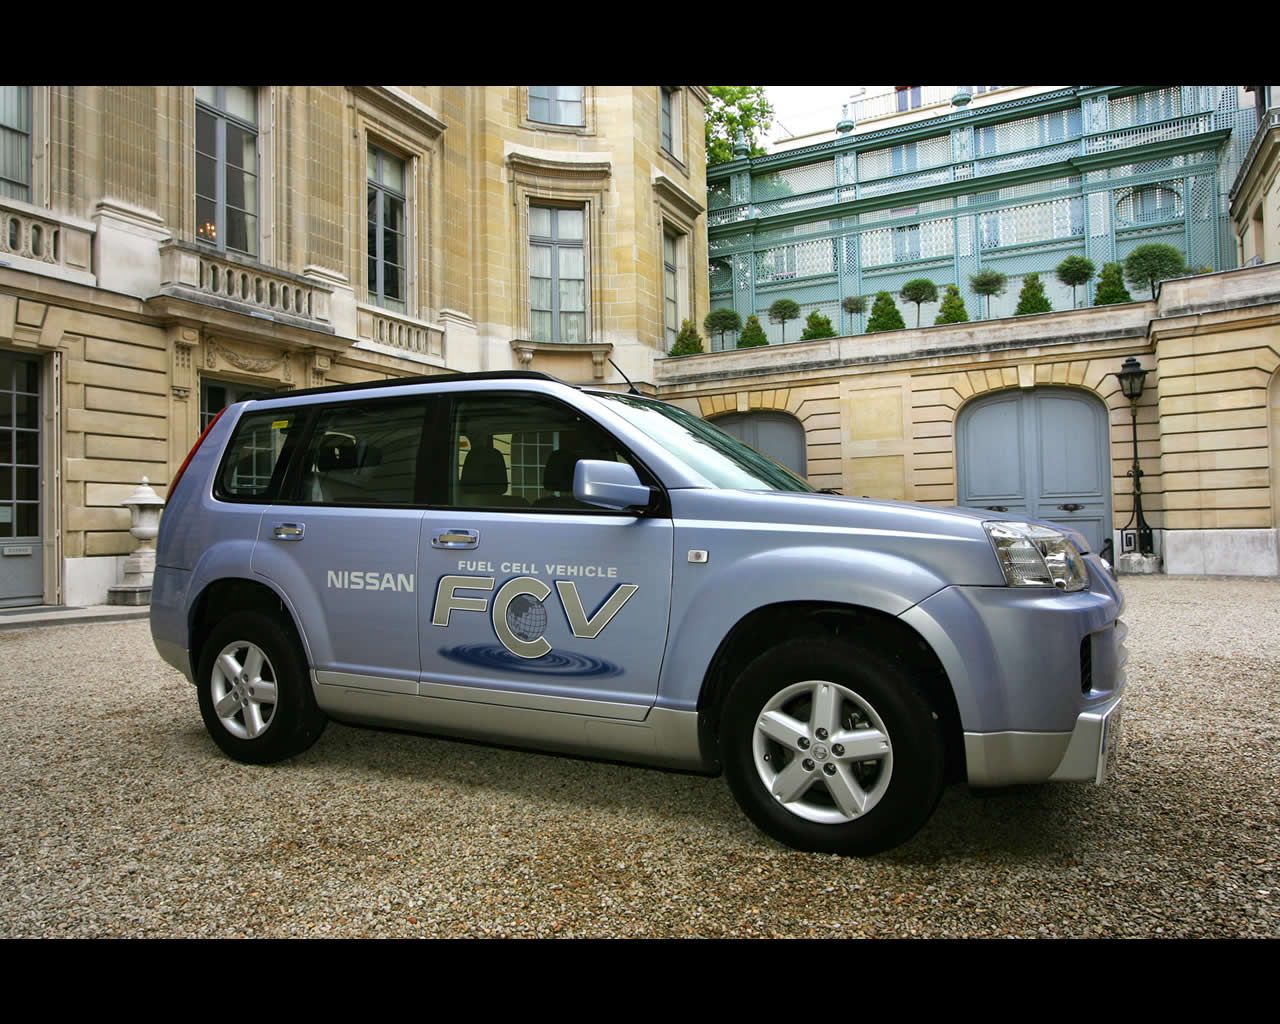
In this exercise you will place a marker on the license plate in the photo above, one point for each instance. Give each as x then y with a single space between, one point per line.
1108 748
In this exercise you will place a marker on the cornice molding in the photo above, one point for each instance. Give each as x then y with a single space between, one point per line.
403 107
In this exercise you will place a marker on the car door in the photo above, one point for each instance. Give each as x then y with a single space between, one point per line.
529 596
344 548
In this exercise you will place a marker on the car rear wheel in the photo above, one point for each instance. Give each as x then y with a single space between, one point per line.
254 691
828 747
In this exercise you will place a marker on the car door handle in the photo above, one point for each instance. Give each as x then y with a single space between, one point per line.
288 531
456 539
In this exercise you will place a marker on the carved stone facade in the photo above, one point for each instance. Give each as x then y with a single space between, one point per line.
141 313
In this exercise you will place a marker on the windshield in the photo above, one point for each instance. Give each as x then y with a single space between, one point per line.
706 449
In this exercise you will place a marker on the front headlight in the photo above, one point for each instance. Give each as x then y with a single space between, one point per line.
1032 555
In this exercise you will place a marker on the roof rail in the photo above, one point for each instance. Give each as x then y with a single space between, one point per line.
395 382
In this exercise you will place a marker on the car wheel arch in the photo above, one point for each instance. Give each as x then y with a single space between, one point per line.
765 627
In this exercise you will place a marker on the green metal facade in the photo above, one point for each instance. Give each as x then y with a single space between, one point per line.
1016 187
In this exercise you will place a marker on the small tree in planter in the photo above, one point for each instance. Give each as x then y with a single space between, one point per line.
782 311
853 305
919 291
817 326
989 283
952 310
1032 298
1152 263
885 315
752 334
687 341
1073 271
1111 287
718 321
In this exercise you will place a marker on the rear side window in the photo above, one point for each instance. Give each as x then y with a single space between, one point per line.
364 454
253 458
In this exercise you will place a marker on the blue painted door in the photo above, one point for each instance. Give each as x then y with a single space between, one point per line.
525 589
1042 453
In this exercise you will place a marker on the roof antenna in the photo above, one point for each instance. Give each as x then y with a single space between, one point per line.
633 390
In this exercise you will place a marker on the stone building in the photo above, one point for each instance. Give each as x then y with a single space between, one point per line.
1017 413
165 251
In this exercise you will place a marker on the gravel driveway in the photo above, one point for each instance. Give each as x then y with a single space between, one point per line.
122 819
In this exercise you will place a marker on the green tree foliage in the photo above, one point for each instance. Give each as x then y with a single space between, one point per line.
1111 287
752 334
1032 298
782 311
853 304
817 326
687 341
735 108
718 321
989 283
919 291
885 315
1152 263
1074 271
952 310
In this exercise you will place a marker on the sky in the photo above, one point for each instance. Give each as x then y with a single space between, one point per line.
801 109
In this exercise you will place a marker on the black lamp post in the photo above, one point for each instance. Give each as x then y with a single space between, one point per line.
1132 377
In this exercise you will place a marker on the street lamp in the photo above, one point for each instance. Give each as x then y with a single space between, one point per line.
1132 378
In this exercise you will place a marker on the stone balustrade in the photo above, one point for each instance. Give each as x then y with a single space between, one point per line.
409 336
193 271
63 244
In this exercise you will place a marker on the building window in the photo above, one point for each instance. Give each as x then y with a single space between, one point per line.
670 288
557 104
216 395
15 142
908 97
386 204
904 158
557 274
227 167
672 122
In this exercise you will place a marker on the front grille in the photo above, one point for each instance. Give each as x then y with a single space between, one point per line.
1086 664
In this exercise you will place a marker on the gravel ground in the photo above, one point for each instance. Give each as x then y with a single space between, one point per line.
122 819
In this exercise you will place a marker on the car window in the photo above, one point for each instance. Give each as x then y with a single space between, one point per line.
254 455
520 451
363 454
717 456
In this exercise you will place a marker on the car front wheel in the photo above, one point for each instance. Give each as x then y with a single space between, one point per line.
829 747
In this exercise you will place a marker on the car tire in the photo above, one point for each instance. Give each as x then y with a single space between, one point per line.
793 727
255 691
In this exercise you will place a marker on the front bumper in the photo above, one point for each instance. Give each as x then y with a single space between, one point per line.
1086 754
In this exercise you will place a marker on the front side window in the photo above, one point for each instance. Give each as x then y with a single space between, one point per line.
557 274
15 142
517 451
227 167
557 104
386 207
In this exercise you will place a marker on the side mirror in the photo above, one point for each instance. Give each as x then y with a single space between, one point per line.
609 484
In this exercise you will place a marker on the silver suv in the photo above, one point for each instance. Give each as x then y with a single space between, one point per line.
504 557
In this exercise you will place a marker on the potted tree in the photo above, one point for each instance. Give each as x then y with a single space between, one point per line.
782 311
1074 271
988 283
919 291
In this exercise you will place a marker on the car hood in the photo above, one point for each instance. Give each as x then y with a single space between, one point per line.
819 510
